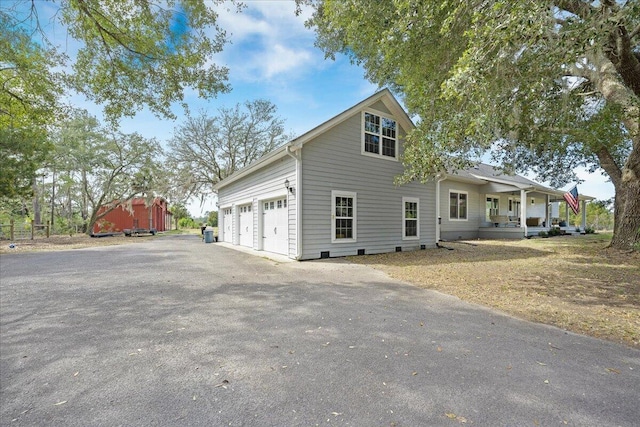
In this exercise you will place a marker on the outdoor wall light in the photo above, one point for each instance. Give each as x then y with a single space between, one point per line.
287 186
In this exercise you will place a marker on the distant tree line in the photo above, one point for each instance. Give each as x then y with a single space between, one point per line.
92 168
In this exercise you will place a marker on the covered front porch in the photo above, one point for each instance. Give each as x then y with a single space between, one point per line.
516 210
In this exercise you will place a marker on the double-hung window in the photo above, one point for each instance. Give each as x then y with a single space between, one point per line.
379 135
458 205
343 216
410 218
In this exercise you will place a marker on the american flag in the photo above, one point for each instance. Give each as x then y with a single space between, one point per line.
571 197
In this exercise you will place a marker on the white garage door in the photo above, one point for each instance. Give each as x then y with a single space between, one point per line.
245 225
275 226
227 223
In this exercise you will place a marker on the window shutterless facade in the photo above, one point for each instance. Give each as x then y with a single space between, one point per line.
379 135
458 205
410 218
343 216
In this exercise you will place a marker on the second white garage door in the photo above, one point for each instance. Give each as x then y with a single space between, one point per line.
245 225
275 226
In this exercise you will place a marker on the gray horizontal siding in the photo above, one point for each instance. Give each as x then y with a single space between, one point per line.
257 186
333 161
452 229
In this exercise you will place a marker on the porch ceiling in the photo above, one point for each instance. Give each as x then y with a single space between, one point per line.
494 187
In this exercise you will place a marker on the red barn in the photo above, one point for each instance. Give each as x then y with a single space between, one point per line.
140 218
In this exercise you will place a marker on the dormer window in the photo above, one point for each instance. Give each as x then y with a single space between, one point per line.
379 135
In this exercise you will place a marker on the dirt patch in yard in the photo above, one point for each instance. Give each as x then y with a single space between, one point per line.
572 282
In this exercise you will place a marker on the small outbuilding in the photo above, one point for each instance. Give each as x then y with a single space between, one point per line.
136 214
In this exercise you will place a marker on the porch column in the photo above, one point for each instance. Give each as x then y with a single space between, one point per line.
523 211
584 214
566 213
547 217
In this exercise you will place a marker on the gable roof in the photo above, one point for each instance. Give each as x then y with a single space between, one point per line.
385 96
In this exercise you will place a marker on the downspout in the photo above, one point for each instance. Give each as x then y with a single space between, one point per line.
297 156
439 179
220 217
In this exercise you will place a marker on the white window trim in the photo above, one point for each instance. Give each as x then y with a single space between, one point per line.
449 206
334 194
378 155
404 219
487 196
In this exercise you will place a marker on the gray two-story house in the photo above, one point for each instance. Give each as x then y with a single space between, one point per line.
331 192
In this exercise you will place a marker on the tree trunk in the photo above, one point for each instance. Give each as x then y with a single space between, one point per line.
36 202
626 229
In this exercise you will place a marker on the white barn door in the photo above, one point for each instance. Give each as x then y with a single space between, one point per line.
275 226
227 232
245 226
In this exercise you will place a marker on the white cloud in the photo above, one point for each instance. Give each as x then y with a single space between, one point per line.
280 59
240 25
268 41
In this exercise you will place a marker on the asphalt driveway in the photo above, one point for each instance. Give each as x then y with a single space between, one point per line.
175 332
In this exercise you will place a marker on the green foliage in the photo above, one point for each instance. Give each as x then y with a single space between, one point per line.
29 93
132 54
187 223
30 89
554 232
543 233
22 152
154 51
98 168
212 218
490 79
599 215
179 211
541 87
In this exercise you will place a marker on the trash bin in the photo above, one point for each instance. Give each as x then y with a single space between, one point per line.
208 236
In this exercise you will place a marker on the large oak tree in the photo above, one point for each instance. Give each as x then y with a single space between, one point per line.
206 149
543 86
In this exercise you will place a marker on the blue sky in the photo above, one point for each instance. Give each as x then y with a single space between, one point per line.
271 55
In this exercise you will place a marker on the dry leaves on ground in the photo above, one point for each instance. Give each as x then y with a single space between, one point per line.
573 282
